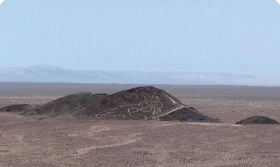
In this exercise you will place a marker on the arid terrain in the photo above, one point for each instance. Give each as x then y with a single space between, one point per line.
67 141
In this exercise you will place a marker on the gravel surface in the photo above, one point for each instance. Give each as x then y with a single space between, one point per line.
30 141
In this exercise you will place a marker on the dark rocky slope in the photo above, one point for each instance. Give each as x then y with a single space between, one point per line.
17 108
257 120
142 103
66 105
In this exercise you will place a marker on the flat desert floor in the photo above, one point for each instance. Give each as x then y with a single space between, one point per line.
31 141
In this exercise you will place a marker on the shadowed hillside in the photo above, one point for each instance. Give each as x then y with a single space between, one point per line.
66 105
17 108
141 103
258 120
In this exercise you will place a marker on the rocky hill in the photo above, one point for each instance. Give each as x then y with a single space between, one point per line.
142 103
66 105
17 108
257 120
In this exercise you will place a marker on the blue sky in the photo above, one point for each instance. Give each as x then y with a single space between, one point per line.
224 36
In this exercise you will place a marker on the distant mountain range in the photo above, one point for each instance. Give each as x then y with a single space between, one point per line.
59 75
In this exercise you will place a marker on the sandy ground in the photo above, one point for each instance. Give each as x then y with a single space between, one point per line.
31 141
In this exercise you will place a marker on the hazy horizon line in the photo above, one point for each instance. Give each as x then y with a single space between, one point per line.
104 70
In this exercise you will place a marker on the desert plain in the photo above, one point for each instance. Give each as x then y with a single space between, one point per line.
39 140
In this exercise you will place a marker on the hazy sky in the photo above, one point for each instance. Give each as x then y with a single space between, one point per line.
232 36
